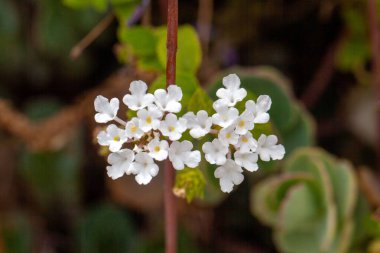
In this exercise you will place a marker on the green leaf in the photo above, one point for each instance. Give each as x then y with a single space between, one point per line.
301 133
267 196
189 53
107 229
300 228
149 63
353 53
124 9
141 39
200 101
99 5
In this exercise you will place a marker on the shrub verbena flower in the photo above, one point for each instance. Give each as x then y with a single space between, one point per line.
155 133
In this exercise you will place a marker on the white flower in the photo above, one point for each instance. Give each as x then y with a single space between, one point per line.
169 101
144 168
121 162
199 125
113 137
246 143
244 123
138 98
215 152
158 149
224 115
133 130
246 160
268 149
173 128
180 154
230 174
227 136
233 93
106 111
260 108
149 119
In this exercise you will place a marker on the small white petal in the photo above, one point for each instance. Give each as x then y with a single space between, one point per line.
246 160
228 136
173 128
158 149
144 168
230 174
267 148
113 137
233 93
133 130
120 163
215 152
106 111
180 154
169 101
138 99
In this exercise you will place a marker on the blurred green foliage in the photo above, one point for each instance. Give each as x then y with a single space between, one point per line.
17 233
106 228
313 206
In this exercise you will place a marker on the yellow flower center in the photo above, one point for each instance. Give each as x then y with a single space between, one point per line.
116 138
149 120
157 148
134 129
171 128
244 139
241 123
228 135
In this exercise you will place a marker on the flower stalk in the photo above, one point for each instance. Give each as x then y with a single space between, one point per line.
169 174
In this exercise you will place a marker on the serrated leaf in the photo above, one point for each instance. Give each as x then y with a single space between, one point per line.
189 53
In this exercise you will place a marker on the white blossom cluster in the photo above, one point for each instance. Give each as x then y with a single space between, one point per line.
235 147
155 133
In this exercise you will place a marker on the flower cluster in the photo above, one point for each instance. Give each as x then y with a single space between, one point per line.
154 135
235 147
147 134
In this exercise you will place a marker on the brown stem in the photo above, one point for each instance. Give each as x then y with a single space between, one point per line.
375 42
170 201
77 50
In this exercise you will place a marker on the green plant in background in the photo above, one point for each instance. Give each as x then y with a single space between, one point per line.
313 205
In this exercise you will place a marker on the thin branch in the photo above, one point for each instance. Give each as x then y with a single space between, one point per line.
322 77
137 14
77 50
170 200
375 42
204 23
53 132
